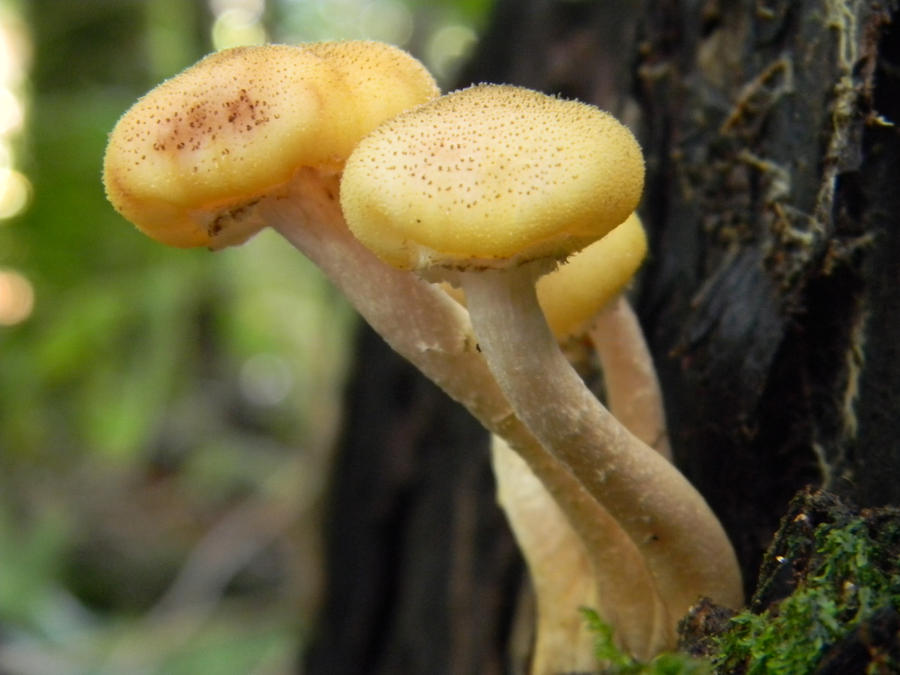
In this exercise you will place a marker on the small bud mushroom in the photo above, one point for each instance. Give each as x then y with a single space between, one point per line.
492 186
571 295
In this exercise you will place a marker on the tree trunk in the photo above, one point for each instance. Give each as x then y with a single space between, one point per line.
772 210
422 571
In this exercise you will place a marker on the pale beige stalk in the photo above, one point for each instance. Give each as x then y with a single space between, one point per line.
680 539
605 574
588 285
632 388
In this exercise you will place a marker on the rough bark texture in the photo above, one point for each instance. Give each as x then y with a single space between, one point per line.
767 301
772 209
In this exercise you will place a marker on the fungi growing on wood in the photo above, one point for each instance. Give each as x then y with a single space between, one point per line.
490 187
193 195
571 564
257 137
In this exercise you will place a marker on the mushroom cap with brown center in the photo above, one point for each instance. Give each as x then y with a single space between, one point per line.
240 122
489 176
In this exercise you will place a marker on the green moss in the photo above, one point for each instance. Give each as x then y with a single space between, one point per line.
852 577
617 662
827 602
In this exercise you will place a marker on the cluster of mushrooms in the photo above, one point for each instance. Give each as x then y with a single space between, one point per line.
525 205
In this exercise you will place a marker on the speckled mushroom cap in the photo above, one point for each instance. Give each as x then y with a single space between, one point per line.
241 122
490 176
572 295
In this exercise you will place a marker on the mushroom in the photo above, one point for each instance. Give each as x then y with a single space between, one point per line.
256 137
191 159
565 575
491 186
584 297
218 152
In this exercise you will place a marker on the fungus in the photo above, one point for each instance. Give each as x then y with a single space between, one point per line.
491 186
584 297
217 190
191 159
203 195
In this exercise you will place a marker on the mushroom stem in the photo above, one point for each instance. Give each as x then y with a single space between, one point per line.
633 393
417 320
431 330
562 577
681 540
558 561
571 568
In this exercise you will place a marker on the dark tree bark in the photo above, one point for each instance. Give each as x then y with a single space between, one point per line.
772 209
766 300
422 571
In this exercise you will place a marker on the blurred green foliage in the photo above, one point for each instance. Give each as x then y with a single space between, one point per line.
166 416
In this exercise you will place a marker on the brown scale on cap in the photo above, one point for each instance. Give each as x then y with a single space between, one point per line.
240 123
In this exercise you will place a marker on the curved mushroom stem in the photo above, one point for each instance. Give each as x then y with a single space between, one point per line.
558 561
633 393
420 322
562 578
681 540
601 570
432 331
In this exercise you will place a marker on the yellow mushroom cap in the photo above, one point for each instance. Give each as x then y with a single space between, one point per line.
577 290
240 122
488 176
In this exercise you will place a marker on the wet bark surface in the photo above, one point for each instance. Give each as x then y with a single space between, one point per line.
772 209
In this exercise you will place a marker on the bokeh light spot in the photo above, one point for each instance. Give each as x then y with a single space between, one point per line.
388 21
16 298
12 113
266 379
15 190
237 28
447 47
